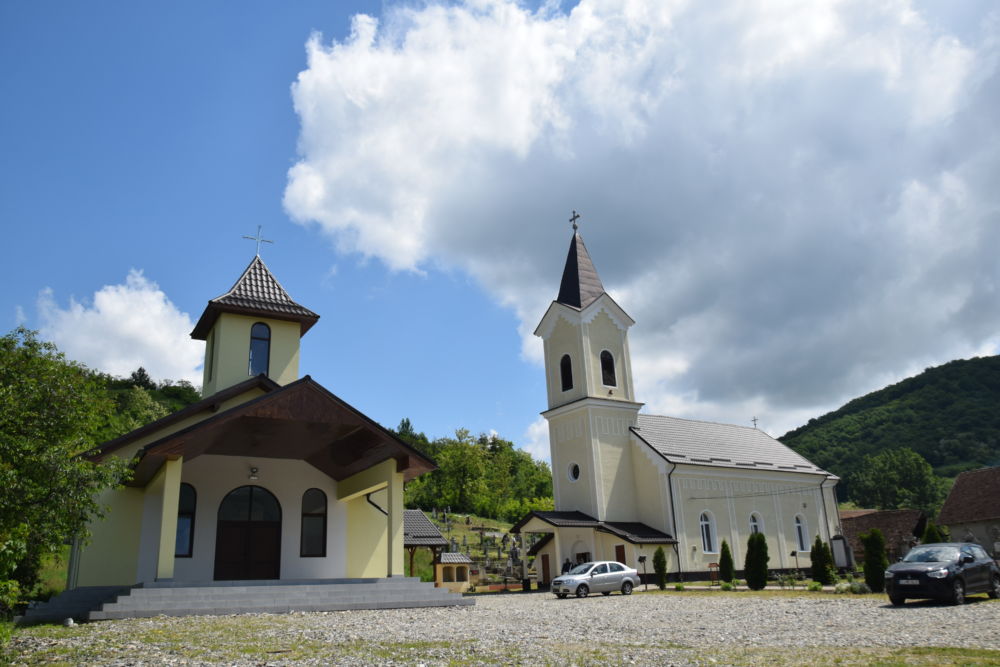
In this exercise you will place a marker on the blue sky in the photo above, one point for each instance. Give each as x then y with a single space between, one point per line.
797 203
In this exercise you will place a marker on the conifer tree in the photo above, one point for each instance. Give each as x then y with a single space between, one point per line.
755 564
821 562
875 560
932 534
660 567
727 569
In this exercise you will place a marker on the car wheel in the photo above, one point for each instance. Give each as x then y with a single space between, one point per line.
994 591
561 596
958 592
582 591
897 600
627 588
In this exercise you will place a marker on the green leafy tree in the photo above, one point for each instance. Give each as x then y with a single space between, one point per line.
897 479
822 562
727 569
755 563
660 567
49 409
875 561
932 534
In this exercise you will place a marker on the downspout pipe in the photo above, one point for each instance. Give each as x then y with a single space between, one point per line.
826 518
673 519
368 497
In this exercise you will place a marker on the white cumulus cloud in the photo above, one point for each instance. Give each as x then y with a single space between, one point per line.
795 201
124 327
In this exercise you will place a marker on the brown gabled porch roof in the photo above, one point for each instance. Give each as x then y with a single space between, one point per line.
630 531
301 420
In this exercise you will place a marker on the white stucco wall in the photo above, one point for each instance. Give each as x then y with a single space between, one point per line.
213 477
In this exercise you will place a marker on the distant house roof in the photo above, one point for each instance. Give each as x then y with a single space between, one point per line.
256 292
418 531
897 526
725 445
975 496
452 558
630 531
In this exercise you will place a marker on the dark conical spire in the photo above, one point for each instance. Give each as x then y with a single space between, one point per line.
580 284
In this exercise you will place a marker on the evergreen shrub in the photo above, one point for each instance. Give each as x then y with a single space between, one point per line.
727 569
932 534
755 564
822 562
660 567
875 559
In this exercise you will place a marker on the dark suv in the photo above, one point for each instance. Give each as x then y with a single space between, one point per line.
947 571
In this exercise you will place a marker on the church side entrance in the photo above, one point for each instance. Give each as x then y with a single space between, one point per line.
248 535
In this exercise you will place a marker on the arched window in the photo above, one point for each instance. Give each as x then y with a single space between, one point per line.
184 542
801 534
313 523
608 369
260 348
756 523
707 532
566 372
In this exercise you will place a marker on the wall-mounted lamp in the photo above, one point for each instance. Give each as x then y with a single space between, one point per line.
253 473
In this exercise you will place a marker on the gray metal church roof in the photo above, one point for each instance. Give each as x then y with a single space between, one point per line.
724 445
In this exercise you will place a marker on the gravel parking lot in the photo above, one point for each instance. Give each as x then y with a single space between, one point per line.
537 628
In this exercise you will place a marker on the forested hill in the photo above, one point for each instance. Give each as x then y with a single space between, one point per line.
949 414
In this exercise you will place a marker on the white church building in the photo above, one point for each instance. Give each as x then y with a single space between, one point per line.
626 482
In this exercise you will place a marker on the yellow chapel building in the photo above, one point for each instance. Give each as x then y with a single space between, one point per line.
270 479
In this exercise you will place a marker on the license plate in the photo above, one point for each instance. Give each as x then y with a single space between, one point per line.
909 582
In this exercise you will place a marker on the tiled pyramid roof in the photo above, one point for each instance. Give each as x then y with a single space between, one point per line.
580 284
975 496
257 292
418 531
726 445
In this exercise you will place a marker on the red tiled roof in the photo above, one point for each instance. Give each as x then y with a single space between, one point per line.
974 497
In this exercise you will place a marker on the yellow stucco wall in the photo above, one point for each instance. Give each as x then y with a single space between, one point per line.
565 339
374 541
569 438
230 337
112 556
604 334
610 427
731 496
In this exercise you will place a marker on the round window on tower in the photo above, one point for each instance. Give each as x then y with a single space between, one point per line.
573 472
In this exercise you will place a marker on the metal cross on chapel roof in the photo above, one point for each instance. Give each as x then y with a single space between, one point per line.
259 239
573 219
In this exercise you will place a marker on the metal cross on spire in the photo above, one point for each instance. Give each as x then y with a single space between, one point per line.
573 219
259 239
754 420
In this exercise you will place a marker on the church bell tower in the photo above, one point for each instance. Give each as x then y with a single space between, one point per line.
252 329
591 404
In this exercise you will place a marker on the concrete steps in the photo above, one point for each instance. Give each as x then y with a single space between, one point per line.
277 597
71 604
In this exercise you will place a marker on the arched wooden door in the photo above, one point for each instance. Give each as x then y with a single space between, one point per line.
248 535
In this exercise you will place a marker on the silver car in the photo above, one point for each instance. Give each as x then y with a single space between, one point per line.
603 576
